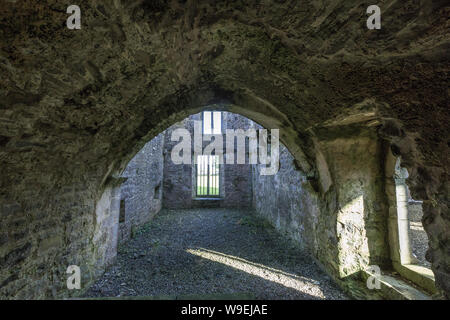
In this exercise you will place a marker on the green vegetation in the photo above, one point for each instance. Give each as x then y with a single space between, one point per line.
202 186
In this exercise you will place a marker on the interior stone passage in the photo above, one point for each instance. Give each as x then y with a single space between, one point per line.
90 116
213 253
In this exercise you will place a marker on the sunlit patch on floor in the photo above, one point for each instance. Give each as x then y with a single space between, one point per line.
288 280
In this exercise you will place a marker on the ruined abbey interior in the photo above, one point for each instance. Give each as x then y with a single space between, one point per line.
357 207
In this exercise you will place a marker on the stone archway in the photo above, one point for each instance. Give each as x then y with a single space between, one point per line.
77 104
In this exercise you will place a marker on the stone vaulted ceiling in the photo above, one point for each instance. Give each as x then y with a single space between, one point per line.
81 102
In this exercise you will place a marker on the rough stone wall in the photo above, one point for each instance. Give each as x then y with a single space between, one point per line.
141 193
237 180
286 200
40 239
346 228
419 239
82 231
76 105
179 180
339 216
106 235
356 203
177 184
417 234
415 212
238 186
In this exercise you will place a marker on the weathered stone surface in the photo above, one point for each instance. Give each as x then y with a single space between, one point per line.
141 193
287 201
179 180
345 230
77 105
361 229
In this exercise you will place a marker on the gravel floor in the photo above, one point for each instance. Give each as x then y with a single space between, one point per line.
419 242
213 251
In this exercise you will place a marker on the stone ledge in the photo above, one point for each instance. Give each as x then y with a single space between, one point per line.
419 275
397 289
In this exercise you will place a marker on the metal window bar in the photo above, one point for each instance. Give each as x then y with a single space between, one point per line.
208 179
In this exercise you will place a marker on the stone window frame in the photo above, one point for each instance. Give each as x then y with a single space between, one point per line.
221 195
208 176
401 255
221 181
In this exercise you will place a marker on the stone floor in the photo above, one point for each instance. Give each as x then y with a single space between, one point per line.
211 252
418 236
419 243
